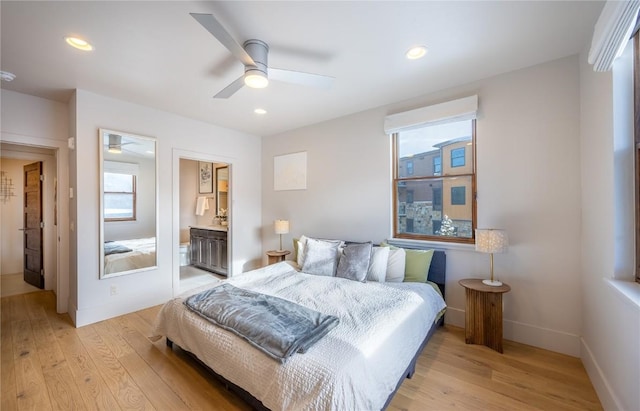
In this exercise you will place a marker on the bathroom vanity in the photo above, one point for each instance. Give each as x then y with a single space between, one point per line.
209 248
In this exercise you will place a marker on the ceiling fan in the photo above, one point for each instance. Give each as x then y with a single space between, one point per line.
253 54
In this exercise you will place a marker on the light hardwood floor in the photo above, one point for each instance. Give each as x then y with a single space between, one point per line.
14 284
46 364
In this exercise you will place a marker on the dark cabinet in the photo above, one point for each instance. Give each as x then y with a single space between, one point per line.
209 250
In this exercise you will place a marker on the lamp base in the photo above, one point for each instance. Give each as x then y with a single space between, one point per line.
493 283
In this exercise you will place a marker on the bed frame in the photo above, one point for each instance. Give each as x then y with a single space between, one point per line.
437 275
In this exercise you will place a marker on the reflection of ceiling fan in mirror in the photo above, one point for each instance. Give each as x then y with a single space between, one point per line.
114 145
253 54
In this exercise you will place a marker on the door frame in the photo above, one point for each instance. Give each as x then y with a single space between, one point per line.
190 155
61 156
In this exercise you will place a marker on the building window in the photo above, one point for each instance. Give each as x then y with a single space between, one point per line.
119 197
435 190
457 157
410 167
458 195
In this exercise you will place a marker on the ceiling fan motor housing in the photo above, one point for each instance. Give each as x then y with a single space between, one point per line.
258 50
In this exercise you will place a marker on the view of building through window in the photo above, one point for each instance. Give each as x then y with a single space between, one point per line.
435 182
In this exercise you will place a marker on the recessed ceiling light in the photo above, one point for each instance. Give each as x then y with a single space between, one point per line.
260 111
78 43
6 76
416 52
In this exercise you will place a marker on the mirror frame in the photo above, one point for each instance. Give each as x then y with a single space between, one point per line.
102 142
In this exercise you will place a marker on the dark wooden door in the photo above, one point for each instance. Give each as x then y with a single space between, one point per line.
33 224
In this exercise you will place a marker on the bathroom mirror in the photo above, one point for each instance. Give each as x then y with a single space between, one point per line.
128 203
222 188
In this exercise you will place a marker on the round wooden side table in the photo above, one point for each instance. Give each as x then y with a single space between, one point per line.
483 313
275 256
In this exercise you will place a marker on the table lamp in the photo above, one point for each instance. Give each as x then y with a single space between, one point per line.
281 227
489 240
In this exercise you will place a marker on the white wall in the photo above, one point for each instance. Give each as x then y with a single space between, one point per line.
611 321
175 136
528 183
36 122
12 218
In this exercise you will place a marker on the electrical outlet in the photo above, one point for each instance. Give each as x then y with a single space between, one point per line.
114 290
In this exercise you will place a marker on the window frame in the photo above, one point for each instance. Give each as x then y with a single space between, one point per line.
395 180
463 157
133 193
636 132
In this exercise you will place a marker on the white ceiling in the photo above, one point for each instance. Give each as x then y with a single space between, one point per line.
157 55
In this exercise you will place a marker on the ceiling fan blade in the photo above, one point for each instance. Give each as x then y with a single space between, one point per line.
298 77
231 88
214 27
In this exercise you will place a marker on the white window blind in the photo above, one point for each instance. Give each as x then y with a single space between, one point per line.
612 32
118 167
450 111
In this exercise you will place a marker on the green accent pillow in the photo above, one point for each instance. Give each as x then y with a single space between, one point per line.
295 249
417 265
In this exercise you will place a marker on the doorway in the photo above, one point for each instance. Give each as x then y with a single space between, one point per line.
203 222
13 161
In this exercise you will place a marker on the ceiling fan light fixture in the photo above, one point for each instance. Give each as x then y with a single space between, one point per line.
255 79
115 144
78 43
416 52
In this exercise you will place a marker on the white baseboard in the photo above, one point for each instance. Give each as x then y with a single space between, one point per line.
72 310
606 395
545 338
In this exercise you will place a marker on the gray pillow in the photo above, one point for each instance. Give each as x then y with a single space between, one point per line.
320 257
354 261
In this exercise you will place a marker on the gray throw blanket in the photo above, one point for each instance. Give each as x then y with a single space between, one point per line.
278 327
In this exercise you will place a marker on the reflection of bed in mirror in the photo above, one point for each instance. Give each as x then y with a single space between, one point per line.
126 255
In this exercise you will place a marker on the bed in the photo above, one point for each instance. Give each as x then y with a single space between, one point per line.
358 365
126 255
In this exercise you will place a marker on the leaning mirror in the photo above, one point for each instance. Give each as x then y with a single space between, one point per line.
128 203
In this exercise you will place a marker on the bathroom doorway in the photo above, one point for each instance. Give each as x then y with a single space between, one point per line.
204 222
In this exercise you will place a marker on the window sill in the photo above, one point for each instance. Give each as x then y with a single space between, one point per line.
438 245
629 289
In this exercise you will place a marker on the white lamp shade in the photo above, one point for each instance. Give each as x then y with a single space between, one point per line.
281 226
489 240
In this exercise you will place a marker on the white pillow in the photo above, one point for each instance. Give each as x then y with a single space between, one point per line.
378 266
395 265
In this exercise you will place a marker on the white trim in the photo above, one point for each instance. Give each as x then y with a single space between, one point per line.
630 291
612 32
421 244
598 378
447 112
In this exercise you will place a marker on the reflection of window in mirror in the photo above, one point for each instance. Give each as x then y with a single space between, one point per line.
120 191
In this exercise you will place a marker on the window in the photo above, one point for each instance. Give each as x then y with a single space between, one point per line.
457 157
434 192
410 167
119 182
458 195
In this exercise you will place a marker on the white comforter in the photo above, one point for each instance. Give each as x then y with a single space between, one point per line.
142 255
354 367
